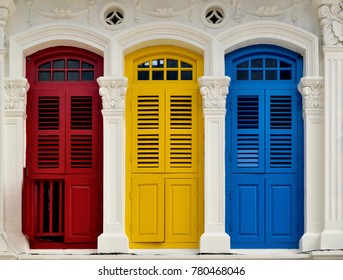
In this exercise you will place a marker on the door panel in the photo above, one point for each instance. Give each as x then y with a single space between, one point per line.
81 205
281 209
147 208
181 210
247 213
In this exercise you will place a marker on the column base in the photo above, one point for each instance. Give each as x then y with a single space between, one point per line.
332 239
215 243
310 242
113 243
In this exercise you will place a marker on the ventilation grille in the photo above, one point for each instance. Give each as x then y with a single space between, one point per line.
247 150
81 151
281 155
48 112
247 112
48 151
281 112
81 112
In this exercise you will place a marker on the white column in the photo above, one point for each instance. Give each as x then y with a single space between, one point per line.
312 91
14 156
6 9
214 91
330 15
113 239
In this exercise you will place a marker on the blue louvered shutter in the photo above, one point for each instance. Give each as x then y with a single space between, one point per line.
281 131
248 131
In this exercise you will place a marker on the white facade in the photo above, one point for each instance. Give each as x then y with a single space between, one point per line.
310 28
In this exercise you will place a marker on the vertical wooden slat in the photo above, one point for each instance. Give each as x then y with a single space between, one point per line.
60 227
41 206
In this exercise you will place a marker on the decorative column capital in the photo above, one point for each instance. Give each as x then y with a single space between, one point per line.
214 91
330 14
15 94
6 9
312 91
112 91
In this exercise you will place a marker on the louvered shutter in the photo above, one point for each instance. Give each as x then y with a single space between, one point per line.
181 140
81 131
281 131
148 131
48 132
248 135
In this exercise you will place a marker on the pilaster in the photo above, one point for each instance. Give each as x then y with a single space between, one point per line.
331 20
14 156
6 8
113 239
214 91
312 91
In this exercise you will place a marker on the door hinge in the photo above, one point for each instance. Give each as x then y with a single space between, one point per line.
131 226
230 227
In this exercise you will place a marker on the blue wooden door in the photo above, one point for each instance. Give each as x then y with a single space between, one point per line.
264 148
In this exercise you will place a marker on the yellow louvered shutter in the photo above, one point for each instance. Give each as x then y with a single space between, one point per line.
148 131
181 124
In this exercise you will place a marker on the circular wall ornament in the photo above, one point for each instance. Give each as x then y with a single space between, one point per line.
214 16
112 16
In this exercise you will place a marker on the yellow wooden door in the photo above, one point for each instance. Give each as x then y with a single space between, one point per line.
164 149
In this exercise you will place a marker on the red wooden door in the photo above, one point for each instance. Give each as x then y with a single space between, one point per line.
62 192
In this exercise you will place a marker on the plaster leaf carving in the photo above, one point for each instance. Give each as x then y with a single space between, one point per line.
214 92
60 12
15 94
331 21
259 9
112 92
312 91
168 10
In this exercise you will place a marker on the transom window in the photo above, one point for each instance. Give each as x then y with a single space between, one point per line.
65 70
264 69
165 69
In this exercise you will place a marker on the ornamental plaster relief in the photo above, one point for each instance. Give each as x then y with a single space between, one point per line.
112 92
214 91
15 94
164 9
61 11
6 9
331 21
266 9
